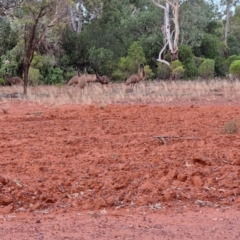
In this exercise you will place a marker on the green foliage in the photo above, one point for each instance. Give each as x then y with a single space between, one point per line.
99 56
235 68
187 58
219 67
198 61
54 76
163 71
233 45
206 69
222 49
130 64
37 61
227 63
149 73
176 64
209 46
2 82
178 72
195 18
34 76
177 69
8 37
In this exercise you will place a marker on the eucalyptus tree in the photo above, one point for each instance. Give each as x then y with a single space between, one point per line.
84 11
228 4
38 24
196 16
169 40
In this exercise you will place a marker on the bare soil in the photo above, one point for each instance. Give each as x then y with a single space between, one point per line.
136 171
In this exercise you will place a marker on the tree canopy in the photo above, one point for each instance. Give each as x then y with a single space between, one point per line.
103 35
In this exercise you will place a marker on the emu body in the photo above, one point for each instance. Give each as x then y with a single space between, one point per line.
14 80
135 78
102 79
89 78
74 80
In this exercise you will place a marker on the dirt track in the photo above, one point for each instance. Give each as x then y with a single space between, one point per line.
89 159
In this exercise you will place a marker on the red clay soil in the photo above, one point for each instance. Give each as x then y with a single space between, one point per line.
119 172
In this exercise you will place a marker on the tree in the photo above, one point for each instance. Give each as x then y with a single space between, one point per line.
229 4
93 9
168 40
196 16
37 22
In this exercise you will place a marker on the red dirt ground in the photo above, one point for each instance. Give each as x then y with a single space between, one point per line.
101 172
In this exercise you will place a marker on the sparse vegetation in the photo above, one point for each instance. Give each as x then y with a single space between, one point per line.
148 92
231 127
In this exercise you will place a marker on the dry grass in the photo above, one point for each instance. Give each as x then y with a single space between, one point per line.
231 127
145 92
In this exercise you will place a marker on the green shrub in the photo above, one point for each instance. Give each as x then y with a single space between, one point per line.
209 46
235 68
198 61
98 56
130 64
185 54
37 61
163 71
191 70
219 67
54 76
178 72
149 73
34 76
176 64
2 82
187 58
229 61
222 49
206 69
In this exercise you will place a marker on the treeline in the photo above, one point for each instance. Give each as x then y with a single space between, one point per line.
114 37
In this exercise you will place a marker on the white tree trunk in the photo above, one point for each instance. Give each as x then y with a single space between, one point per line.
227 22
80 16
168 40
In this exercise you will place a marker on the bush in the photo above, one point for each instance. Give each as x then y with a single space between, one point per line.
178 72
163 71
149 73
198 61
187 58
235 68
206 69
130 64
176 64
185 54
2 82
219 67
227 63
34 76
209 46
54 76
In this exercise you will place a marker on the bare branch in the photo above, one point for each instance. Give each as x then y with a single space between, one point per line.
158 5
160 56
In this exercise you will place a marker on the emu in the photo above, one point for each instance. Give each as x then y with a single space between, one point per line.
102 79
74 80
135 78
89 77
82 80
14 80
